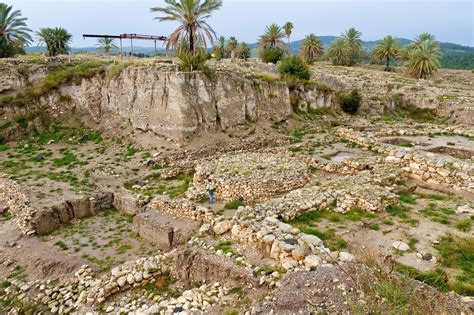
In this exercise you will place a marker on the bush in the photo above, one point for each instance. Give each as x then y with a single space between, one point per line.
192 61
272 55
350 102
294 66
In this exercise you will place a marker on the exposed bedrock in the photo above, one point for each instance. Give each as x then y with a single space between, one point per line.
164 101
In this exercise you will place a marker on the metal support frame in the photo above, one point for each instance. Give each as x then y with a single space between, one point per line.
128 36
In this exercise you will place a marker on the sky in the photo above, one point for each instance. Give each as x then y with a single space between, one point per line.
449 20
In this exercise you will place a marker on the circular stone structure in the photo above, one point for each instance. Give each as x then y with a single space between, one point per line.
251 177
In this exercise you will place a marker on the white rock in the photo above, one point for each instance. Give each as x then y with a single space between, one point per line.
400 246
222 227
465 209
346 257
312 261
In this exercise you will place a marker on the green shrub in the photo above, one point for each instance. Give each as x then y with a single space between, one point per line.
294 66
350 102
192 61
272 55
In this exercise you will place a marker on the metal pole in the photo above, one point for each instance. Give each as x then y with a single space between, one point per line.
155 47
131 45
121 49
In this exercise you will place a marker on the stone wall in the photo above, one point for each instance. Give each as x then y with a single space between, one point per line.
41 221
433 168
250 177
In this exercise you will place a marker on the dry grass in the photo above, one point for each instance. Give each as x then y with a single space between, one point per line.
385 291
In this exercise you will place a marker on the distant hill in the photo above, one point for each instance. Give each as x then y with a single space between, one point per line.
454 56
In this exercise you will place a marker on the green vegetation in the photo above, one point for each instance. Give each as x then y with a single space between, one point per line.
293 67
288 29
311 49
350 102
387 50
353 39
192 16
226 247
270 45
458 253
407 198
464 225
56 39
234 204
270 55
192 61
14 34
106 45
339 52
424 56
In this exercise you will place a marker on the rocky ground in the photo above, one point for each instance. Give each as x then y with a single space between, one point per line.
319 213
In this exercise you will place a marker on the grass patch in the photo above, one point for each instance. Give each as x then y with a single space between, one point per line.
61 245
234 204
458 253
226 247
407 198
463 225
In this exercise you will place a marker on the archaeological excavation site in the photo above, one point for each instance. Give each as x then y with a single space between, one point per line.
205 175
105 167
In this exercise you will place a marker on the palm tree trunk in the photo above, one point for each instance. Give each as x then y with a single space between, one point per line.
387 64
191 40
289 45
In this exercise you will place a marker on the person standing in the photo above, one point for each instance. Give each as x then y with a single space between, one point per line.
211 187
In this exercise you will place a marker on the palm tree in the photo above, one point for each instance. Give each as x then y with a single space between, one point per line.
106 45
352 36
424 59
232 47
220 48
192 14
272 38
339 52
288 28
311 48
422 37
404 53
56 39
13 30
244 51
387 49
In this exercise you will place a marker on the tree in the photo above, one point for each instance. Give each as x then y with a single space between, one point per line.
339 52
233 47
244 51
424 59
404 53
106 45
387 49
220 49
288 29
423 37
192 14
311 48
56 39
14 34
353 38
272 38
